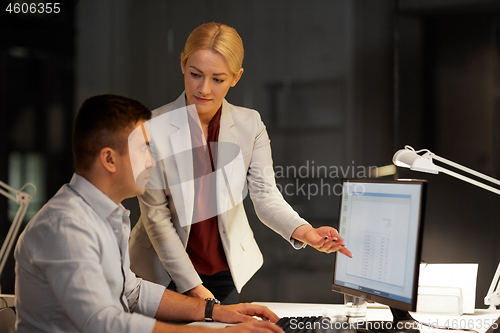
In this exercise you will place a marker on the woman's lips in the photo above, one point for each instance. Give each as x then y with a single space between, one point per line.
203 100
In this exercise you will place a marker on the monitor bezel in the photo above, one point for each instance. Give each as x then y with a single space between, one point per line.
400 305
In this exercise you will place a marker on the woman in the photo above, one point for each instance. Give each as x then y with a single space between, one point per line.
179 238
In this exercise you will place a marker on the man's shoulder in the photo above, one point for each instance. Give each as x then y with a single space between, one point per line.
66 203
66 207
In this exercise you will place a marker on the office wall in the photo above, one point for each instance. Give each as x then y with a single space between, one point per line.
36 108
448 72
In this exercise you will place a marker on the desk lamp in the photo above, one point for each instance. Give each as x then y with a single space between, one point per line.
22 199
409 158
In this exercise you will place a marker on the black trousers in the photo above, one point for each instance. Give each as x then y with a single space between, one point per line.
221 285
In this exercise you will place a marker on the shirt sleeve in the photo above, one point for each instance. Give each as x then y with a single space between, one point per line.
142 296
69 257
156 218
269 204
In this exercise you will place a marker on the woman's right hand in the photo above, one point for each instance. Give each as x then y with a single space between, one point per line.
200 292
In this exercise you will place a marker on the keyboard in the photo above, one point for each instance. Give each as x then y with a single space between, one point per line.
306 324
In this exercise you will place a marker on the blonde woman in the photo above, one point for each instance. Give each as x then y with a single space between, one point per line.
179 241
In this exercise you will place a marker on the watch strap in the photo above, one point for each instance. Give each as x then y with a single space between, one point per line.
209 308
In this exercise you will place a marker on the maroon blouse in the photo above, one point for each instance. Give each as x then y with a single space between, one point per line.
204 245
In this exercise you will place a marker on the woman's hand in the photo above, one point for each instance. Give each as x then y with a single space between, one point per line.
200 292
324 239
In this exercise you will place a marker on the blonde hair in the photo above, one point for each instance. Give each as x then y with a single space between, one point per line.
219 38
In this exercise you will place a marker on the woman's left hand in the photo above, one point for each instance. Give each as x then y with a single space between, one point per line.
324 239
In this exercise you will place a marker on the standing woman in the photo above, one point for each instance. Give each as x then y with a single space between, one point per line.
178 240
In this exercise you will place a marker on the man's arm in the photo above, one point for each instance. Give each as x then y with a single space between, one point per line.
70 258
250 327
178 307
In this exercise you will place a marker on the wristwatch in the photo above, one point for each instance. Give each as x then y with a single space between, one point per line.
209 308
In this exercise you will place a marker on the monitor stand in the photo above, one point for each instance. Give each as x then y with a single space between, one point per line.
403 322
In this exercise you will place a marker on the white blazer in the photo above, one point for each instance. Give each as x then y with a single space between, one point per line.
159 239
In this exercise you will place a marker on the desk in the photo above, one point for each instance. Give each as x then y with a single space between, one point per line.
480 321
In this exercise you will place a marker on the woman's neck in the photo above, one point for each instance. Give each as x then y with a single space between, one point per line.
205 118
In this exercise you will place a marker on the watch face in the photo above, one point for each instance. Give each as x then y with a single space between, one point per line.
215 300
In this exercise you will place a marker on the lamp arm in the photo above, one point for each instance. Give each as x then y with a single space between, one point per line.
23 200
20 196
7 187
469 180
11 235
492 298
8 195
466 169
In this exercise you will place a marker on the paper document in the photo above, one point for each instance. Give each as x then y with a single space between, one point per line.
463 276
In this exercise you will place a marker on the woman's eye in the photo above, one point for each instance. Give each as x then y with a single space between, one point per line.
195 75
218 80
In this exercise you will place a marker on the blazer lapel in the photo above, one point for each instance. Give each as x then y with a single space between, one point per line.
182 185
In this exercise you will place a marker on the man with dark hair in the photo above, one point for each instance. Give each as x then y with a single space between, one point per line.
104 121
72 263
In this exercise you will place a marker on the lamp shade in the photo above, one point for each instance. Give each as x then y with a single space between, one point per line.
407 158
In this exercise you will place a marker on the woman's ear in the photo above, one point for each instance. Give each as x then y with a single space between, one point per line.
182 65
107 158
237 77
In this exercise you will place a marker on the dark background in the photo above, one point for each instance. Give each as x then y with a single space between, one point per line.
339 83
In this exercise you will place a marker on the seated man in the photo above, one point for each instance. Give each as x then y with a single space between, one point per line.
72 262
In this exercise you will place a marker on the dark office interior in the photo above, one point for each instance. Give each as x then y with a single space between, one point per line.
341 84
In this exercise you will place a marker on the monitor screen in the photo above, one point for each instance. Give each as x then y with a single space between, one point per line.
381 222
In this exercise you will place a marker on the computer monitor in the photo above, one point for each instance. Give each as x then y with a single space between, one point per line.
381 222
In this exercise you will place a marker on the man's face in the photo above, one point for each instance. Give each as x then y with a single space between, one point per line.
137 162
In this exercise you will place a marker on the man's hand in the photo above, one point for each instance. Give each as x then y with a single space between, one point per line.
254 327
243 312
178 307
324 239
200 292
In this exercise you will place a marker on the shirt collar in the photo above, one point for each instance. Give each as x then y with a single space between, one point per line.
99 201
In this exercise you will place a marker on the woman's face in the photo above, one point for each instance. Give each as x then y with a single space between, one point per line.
207 79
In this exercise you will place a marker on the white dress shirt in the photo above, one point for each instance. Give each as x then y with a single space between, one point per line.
73 269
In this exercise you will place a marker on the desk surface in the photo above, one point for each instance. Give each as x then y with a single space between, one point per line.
480 321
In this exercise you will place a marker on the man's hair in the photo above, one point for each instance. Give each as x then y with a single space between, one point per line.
104 121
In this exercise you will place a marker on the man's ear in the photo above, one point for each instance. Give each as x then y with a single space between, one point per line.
107 158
